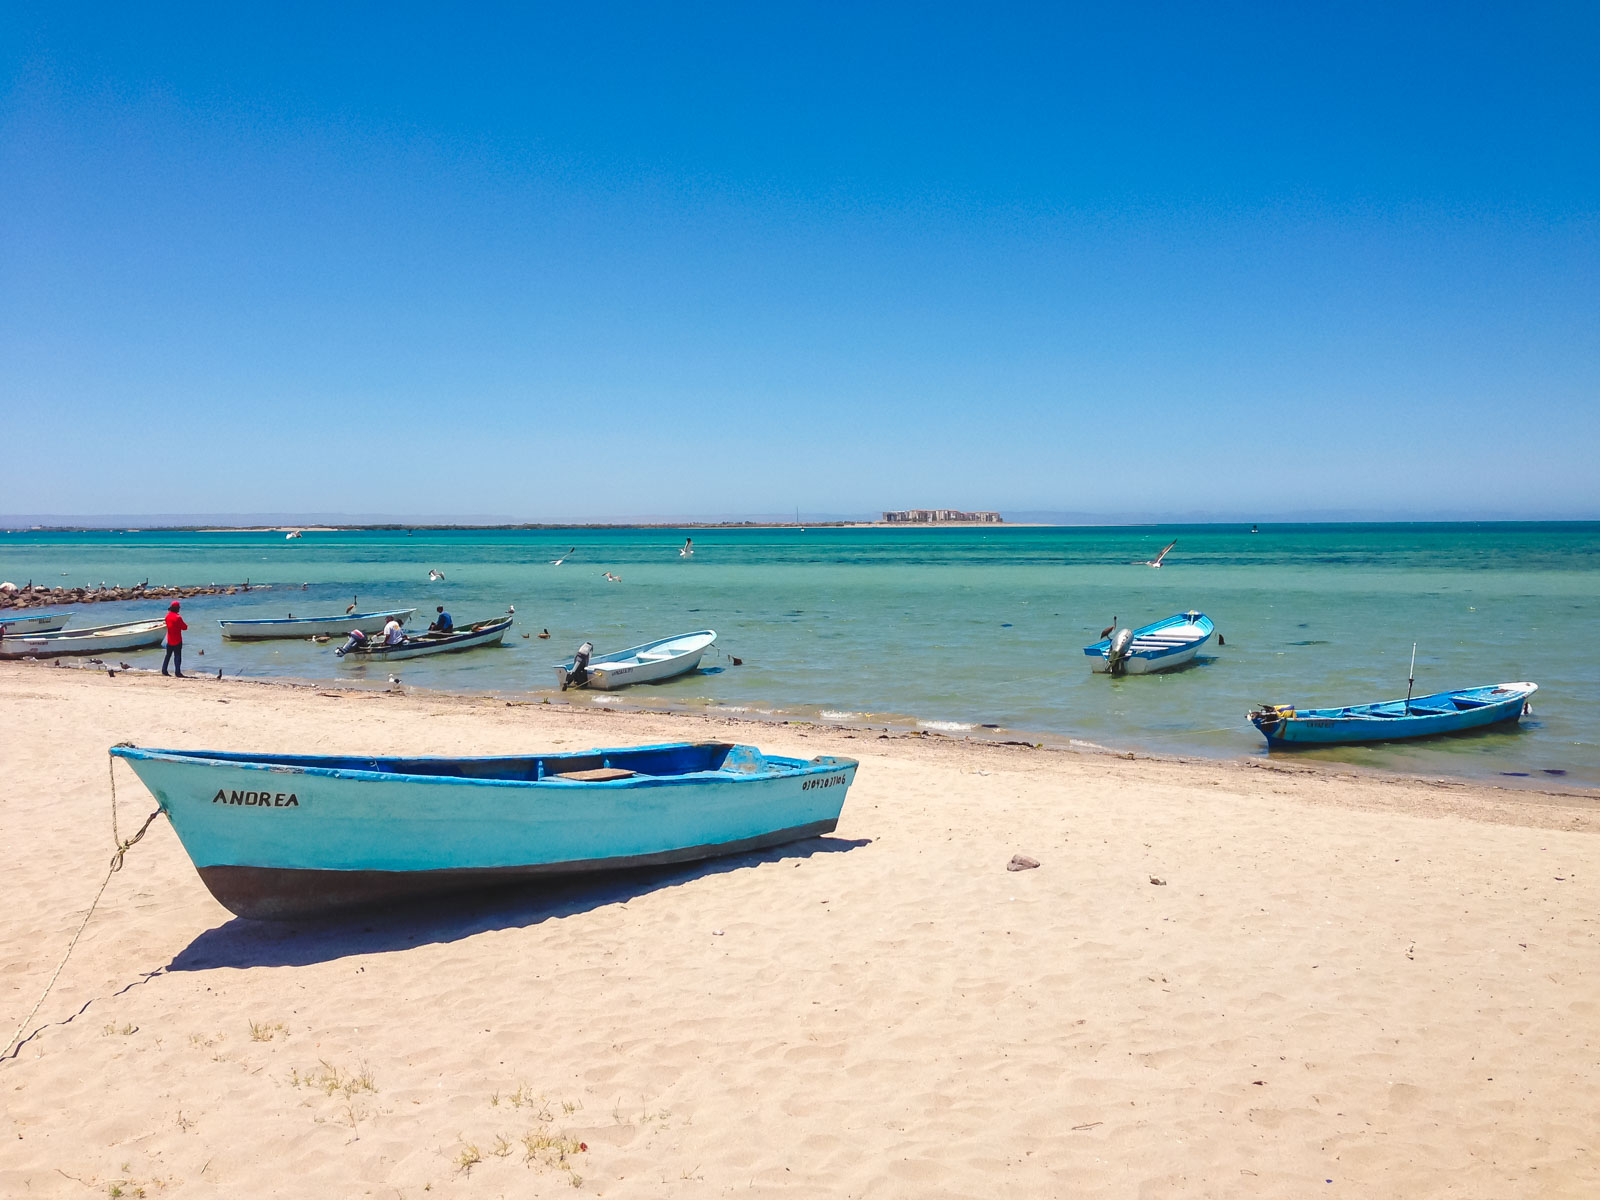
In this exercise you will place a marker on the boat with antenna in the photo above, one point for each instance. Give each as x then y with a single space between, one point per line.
1393 720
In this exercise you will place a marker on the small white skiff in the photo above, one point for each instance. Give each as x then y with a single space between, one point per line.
649 663
133 635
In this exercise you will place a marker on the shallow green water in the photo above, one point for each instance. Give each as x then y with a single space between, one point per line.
950 628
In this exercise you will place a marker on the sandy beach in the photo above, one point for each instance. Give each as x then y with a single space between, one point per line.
1224 979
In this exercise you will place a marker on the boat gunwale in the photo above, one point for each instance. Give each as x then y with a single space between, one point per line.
792 767
362 616
1520 690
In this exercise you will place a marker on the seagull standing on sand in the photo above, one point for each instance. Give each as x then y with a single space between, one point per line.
556 562
1156 561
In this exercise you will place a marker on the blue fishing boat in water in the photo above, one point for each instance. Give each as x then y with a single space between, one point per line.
278 836
1159 646
1422 716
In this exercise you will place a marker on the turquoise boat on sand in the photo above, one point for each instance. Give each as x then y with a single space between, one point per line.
1391 720
277 836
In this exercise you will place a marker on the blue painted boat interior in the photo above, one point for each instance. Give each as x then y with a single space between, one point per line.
1437 705
661 761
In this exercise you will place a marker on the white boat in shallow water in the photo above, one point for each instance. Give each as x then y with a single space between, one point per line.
649 663
34 623
131 635
304 627
1156 647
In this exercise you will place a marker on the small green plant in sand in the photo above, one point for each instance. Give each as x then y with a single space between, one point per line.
119 1030
468 1158
543 1148
524 1097
328 1078
265 1031
204 1041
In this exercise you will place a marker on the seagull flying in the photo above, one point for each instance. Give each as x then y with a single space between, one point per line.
556 562
1156 561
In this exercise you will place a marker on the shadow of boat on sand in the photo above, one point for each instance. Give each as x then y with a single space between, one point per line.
242 943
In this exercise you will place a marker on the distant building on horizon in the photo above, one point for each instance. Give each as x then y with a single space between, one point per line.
934 516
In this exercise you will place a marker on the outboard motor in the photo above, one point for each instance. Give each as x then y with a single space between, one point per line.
1117 655
578 674
357 639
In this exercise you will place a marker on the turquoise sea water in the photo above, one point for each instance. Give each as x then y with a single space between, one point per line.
959 630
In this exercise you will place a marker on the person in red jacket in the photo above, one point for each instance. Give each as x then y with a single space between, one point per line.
175 627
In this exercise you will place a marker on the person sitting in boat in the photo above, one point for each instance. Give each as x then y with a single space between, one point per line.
393 634
357 638
443 623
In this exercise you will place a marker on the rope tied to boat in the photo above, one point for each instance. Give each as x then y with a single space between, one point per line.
117 860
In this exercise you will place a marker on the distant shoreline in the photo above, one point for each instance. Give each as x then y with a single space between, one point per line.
395 528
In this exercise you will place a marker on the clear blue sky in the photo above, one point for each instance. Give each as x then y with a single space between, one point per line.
581 261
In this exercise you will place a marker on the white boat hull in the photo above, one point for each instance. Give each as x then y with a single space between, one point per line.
608 678
305 627
134 637
43 623
1133 665
649 663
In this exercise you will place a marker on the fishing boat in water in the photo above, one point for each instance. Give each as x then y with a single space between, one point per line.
280 836
130 635
304 627
1391 720
462 637
1156 647
649 663
33 623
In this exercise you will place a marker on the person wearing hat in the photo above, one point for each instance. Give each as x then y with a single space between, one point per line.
174 641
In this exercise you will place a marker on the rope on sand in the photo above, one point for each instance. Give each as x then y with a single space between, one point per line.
116 865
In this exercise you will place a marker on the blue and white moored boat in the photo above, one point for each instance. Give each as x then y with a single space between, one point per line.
1157 647
302 627
34 623
276 836
1390 720
649 663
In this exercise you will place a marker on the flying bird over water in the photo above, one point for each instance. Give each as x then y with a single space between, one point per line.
556 562
435 575
1156 561
688 548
